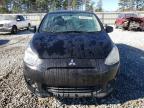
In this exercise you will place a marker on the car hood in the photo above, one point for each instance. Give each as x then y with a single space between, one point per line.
72 45
5 21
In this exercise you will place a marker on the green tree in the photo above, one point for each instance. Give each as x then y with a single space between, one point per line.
3 10
74 4
99 6
139 5
58 4
130 5
89 5
123 5
65 4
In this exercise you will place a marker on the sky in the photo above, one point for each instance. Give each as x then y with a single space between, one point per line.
109 5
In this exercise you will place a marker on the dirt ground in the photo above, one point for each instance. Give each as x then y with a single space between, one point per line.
129 90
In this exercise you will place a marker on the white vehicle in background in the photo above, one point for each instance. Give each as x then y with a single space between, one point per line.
13 23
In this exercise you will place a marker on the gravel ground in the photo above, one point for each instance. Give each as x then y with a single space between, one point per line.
129 90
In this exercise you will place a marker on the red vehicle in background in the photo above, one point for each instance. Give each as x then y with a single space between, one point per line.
122 19
130 21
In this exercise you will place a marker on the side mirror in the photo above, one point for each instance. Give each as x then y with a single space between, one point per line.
33 29
108 29
18 19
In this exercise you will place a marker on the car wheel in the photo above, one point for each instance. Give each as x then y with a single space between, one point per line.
14 30
131 25
29 25
124 28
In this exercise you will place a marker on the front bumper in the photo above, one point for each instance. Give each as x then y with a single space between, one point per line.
71 81
5 29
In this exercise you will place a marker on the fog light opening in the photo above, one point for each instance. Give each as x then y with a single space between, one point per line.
32 84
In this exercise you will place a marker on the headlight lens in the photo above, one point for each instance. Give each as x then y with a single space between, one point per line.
31 58
113 56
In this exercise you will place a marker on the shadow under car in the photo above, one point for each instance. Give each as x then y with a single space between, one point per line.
2 42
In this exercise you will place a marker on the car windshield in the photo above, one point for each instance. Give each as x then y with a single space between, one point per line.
7 17
70 22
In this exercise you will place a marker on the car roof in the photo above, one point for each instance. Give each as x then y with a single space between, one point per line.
70 11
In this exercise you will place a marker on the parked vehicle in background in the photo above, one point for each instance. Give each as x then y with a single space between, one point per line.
130 21
71 55
13 23
134 23
122 18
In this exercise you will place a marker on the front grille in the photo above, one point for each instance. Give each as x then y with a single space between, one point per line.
73 90
1 25
84 73
79 63
71 77
71 68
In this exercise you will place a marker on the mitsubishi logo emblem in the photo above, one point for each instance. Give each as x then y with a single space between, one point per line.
72 63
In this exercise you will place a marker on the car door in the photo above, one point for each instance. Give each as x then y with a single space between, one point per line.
19 21
24 24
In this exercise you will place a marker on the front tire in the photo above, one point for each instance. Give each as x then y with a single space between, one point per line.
14 30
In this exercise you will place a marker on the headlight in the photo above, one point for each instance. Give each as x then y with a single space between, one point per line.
113 56
31 58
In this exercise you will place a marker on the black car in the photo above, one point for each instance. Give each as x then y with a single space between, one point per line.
71 55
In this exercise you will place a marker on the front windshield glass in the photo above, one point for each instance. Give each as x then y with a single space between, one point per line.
7 17
68 22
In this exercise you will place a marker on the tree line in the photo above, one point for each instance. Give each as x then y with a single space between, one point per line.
17 6
31 6
131 5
